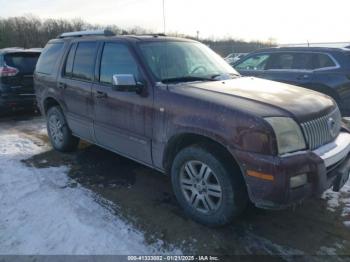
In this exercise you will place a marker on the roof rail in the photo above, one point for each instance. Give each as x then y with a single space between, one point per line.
158 34
12 47
35 49
325 44
87 33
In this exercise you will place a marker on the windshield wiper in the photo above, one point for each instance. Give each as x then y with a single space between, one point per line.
232 75
185 79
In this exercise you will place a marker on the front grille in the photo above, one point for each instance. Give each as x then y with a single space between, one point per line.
322 130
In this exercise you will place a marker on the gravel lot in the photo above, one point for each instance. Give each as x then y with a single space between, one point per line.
96 202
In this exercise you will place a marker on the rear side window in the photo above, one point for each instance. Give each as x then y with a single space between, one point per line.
49 58
24 62
256 62
290 61
323 61
116 59
84 61
69 62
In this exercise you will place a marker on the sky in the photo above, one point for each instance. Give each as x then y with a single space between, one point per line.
286 21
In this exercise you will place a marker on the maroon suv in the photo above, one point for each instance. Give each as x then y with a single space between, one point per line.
174 105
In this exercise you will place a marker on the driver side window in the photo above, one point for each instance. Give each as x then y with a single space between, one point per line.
117 59
256 62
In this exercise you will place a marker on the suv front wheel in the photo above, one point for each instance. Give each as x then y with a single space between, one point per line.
205 188
59 133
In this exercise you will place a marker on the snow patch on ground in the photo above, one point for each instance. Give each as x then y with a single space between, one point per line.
339 200
41 214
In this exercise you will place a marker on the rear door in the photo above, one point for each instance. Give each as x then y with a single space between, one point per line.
294 68
76 83
24 62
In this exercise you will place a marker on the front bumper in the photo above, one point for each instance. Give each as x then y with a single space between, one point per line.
326 167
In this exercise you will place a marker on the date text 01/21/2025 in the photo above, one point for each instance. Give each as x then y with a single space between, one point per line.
173 258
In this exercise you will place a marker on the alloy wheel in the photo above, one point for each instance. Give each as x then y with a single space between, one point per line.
200 186
56 132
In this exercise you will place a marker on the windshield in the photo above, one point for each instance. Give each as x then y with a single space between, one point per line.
184 61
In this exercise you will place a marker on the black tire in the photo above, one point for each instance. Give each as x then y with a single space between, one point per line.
59 133
234 196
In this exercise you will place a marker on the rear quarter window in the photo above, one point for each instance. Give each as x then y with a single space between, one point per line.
24 62
323 61
49 58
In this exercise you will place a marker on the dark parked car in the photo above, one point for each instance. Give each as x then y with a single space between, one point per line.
322 69
158 100
16 78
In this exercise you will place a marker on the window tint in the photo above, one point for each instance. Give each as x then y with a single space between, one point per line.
293 61
49 58
69 62
257 62
323 61
116 59
84 61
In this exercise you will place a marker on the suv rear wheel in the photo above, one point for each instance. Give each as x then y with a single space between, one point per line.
59 133
205 188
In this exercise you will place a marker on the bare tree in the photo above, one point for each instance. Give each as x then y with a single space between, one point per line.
29 31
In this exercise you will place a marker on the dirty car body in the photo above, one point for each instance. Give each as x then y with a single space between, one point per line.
285 143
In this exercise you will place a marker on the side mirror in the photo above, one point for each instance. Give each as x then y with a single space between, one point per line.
126 83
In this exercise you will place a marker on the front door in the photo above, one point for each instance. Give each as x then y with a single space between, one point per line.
253 65
122 119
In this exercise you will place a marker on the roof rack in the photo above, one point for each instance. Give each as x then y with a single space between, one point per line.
158 34
87 33
34 49
12 47
326 44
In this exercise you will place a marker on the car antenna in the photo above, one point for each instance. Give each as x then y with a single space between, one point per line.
164 16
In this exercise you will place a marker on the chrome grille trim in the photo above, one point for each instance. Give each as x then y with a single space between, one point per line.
318 132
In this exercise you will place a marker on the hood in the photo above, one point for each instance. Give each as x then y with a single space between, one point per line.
264 97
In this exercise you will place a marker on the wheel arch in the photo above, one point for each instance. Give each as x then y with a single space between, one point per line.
180 141
50 102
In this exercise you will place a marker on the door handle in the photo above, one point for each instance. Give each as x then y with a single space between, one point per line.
100 94
62 85
303 77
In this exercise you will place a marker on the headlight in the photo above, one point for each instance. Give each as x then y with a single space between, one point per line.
288 134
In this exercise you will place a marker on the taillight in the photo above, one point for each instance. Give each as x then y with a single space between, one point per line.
8 71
